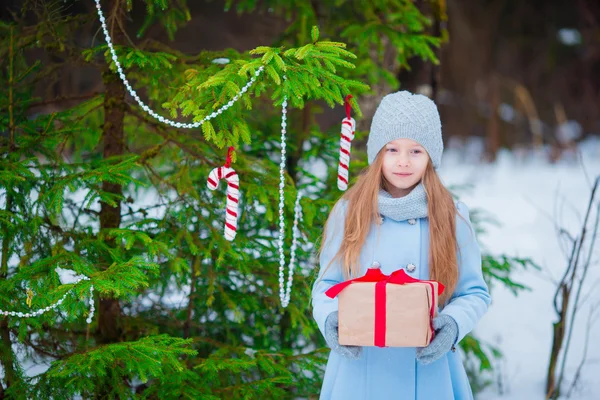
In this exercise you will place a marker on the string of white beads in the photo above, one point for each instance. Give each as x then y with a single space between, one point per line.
286 290
92 307
148 109
41 311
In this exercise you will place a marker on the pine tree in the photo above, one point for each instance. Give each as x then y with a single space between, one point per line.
103 190
76 184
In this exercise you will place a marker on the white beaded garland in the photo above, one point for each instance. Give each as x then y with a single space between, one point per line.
148 109
92 307
285 291
55 305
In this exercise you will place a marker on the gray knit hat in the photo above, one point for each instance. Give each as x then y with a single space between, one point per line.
406 115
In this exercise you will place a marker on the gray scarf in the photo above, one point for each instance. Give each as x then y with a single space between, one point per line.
413 205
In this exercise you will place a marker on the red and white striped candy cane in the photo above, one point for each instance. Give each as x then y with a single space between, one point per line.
233 193
348 127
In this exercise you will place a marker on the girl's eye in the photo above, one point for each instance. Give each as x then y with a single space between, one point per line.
417 151
391 149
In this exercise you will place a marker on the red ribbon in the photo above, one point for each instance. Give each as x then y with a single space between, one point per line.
398 278
228 160
348 107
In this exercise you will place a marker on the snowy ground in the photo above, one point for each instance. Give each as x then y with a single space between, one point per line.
528 196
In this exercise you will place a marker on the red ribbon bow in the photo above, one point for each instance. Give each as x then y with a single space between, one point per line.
348 106
228 160
397 277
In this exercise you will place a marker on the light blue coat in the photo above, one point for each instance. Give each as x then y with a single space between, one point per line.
393 372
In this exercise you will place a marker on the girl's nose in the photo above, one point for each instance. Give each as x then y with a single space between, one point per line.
403 161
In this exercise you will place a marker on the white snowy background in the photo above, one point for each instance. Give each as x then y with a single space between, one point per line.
528 197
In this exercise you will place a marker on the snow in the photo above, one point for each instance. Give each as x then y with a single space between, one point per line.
529 197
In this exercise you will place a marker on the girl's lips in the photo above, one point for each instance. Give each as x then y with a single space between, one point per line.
402 175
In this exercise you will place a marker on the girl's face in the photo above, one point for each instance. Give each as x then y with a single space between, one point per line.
404 164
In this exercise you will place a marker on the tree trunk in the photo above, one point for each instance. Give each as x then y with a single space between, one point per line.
557 342
493 128
109 310
370 102
192 297
439 15
7 356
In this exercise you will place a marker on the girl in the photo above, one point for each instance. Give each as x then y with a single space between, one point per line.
400 215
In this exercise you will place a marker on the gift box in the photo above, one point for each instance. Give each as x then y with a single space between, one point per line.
381 310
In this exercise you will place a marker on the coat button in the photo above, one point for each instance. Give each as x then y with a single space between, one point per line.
412 221
411 267
375 265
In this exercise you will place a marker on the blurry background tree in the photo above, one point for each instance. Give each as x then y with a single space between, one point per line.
522 75
181 311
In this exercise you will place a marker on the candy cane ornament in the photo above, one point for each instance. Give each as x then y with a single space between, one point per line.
348 128
233 193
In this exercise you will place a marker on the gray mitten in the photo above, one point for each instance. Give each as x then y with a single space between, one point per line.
332 339
446 333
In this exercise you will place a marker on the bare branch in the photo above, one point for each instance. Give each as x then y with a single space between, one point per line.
591 321
585 270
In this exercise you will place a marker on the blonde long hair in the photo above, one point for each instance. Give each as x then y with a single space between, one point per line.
362 212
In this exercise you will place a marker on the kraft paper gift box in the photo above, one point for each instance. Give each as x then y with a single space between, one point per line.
381 310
